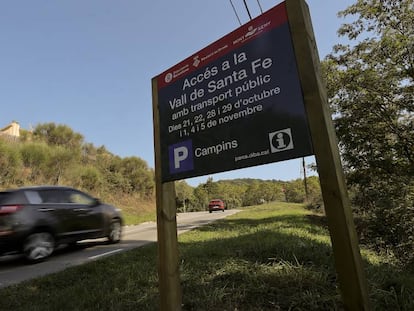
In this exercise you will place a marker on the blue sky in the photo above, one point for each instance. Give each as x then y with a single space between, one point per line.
88 64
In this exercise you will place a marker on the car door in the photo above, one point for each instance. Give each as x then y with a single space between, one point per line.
52 211
88 218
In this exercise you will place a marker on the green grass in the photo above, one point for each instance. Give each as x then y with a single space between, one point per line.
268 257
138 218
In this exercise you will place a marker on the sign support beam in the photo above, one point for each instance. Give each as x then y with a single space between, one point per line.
337 206
168 257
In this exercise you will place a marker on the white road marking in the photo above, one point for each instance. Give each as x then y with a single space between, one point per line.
106 254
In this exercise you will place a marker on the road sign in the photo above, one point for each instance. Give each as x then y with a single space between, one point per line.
236 103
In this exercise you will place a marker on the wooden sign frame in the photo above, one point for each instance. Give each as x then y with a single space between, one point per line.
344 239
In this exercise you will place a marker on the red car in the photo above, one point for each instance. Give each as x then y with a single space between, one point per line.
216 205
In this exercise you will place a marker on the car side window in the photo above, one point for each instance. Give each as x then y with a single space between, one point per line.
33 197
79 198
49 196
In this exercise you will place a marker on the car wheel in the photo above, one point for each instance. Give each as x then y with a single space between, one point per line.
38 246
115 232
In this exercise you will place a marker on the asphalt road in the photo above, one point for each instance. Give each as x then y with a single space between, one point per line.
13 269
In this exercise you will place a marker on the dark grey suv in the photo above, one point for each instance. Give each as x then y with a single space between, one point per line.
35 220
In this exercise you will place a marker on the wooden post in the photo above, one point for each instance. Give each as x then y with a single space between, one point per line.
168 257
305 181
340 221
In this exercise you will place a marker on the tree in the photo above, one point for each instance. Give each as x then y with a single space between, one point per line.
295 191
59 161
370 87
184 195
201 198
10 163
34 156
89 153
253 195
230 193
58 135
211 188
138 175
314 200
88 178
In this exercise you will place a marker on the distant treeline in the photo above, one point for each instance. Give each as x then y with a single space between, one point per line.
247 192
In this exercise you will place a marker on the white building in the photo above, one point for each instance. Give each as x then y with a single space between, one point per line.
12 130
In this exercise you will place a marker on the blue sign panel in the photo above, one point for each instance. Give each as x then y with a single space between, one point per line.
237 103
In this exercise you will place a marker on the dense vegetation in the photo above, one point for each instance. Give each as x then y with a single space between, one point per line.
56 155
370 86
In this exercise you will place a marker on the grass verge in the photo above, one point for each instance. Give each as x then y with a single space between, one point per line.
135 210
268 257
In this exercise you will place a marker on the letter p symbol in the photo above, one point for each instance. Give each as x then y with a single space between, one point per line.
181 157
180 154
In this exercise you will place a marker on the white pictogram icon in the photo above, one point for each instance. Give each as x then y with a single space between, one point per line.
281 140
